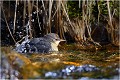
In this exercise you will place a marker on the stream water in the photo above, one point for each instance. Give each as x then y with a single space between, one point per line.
82 65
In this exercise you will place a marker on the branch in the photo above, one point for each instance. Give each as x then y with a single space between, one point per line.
8 26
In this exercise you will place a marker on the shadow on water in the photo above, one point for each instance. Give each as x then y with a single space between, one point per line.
63 65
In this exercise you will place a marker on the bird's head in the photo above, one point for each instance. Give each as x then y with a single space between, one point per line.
54 38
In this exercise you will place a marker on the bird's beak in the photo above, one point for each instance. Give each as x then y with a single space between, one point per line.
62 40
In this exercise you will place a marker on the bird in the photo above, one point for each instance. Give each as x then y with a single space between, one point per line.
46 44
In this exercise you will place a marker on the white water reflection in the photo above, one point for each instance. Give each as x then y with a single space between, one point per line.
64 73
71 72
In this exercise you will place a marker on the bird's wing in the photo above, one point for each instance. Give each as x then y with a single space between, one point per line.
35 40
39 45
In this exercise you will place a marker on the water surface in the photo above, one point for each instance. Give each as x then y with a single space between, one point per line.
68 64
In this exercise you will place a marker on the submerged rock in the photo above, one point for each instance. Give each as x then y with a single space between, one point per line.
6 69
16 66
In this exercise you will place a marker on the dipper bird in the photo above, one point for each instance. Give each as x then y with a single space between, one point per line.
46 44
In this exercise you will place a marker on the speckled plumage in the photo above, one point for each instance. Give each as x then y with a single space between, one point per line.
44 44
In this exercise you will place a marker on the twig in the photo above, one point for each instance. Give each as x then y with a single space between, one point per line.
20 39
24 12
8 26
29 12
38 16
66 14
110 21
50 10
43 5
15 16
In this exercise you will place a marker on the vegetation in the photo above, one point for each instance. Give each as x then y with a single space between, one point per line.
79 20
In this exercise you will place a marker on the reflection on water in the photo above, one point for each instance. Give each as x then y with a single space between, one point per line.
71 70
82 66
81 72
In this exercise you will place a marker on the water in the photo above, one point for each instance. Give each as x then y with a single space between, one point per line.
79 65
